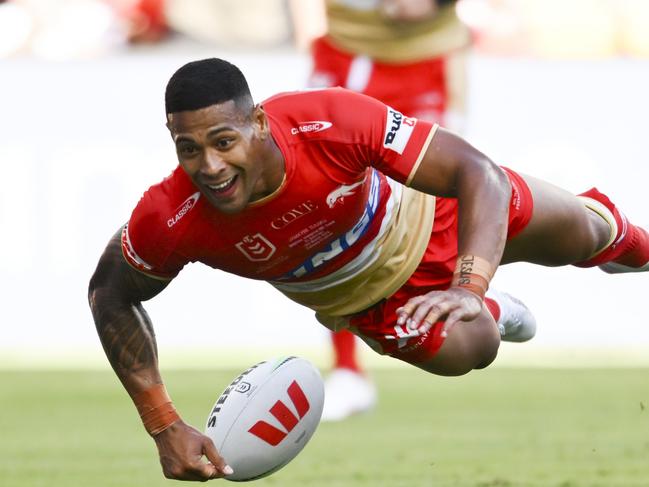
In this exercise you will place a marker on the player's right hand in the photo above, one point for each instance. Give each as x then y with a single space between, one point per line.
182 447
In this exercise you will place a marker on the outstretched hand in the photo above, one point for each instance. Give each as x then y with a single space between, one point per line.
452 305
182 447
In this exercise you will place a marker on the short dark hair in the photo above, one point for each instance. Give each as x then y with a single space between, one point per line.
206 82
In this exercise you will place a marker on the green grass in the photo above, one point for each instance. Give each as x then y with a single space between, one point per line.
494 428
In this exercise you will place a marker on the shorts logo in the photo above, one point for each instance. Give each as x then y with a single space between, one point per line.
256 248
311 126
338 194
402 334
398 130
183 209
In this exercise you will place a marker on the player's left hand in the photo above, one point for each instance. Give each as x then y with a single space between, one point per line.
452 305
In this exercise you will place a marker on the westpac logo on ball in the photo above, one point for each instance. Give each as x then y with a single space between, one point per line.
272 435
260 430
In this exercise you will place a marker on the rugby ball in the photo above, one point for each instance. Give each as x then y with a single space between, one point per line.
266 416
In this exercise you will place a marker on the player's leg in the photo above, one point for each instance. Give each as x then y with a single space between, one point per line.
335 67
344 351
469 345
628 248
566 229
560 232
474 345
348 390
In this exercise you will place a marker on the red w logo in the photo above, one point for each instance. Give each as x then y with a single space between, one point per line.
270 434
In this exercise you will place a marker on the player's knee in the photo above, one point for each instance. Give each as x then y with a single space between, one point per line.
489 356
455 367
450 369
481 353
588 237
466 349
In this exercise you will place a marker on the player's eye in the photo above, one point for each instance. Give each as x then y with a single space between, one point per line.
224 142
187 150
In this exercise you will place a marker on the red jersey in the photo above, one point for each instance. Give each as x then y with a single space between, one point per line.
327 224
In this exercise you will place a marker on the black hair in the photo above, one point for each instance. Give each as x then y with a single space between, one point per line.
199 84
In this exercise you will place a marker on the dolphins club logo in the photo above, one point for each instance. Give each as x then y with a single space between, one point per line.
338 194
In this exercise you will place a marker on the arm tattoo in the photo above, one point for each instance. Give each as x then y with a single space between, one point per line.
124 327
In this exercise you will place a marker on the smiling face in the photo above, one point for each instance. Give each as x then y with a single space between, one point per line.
228 153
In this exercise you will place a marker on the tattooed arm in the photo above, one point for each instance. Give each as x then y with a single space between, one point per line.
115 295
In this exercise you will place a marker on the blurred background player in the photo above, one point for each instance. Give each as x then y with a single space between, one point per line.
143 21
146 19
409 54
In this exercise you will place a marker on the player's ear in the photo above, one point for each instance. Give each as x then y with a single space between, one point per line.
260 121
168 124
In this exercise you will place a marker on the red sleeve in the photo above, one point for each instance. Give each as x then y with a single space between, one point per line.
148 242
402 145
374 134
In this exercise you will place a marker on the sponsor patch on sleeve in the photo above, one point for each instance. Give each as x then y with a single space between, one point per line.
398 130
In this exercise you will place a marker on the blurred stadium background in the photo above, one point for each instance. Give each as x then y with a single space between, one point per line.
556 88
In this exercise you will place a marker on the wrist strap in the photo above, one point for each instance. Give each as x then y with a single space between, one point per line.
473 273
156 409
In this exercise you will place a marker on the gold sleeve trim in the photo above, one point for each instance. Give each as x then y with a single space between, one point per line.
422 153
141 271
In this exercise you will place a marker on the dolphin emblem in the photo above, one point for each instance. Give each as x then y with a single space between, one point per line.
340 192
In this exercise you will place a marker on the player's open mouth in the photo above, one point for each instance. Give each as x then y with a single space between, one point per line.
224 186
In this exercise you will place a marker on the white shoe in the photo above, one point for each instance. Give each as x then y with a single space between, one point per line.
347 393
516 322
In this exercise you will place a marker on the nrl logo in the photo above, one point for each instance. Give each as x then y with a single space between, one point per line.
256 248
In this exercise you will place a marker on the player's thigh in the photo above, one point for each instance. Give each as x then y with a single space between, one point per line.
469 345
560 232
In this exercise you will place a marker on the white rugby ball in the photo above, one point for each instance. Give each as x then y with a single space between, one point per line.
266 416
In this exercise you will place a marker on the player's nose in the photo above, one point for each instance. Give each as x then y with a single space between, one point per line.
213 164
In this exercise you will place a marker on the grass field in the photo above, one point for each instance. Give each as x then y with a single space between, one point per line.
503 427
